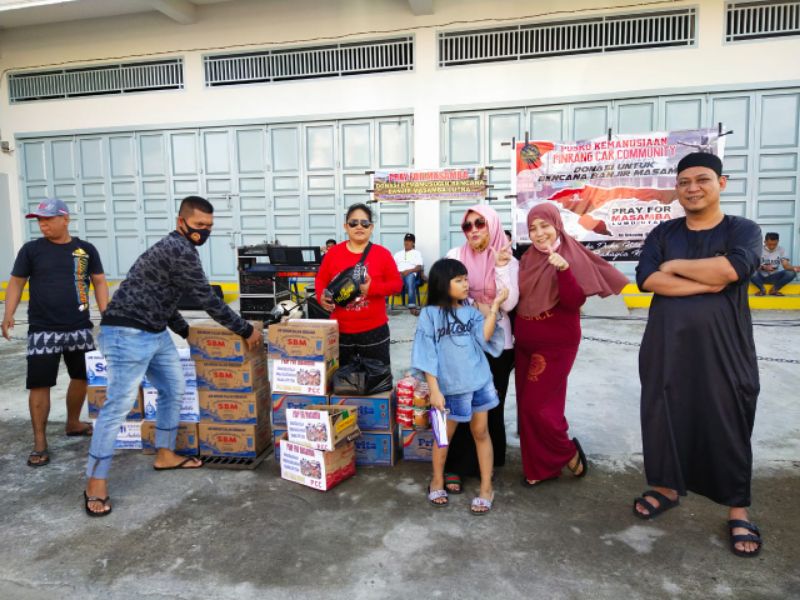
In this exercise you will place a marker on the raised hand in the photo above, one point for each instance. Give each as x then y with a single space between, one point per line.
503 256
502 295
558 261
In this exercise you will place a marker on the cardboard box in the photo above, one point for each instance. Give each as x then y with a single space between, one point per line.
208 340
277 434
378 448
235 407
375 413
187 364
322 427
190 406
304 339
281 402
231 377
96 397
294 376
186 442
315 468
234 439
417 445
96 369
129 436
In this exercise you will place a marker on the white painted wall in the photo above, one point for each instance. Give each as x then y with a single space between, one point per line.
424 93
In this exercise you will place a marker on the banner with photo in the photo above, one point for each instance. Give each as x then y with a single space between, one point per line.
439 184
610 192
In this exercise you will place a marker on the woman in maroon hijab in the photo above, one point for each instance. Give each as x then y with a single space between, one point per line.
556 275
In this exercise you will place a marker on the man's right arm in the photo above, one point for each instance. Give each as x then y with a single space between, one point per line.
665 284
13 296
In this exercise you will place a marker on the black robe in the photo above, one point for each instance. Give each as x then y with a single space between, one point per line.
698 367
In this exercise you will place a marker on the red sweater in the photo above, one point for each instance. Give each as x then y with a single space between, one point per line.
368 313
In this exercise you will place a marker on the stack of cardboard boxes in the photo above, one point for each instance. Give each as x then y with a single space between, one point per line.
413 406
186 442
130 432
233 393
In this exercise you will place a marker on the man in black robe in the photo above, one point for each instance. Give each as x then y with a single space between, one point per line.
697 362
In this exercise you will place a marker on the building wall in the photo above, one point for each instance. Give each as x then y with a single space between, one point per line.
425 93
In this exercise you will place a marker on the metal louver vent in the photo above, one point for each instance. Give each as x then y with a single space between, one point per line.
562 38
758 20
335 60
96 81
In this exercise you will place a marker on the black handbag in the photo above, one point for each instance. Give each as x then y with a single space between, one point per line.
344 288
362 377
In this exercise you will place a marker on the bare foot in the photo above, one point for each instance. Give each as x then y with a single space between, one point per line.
671 494
437 483
575 465
167 458
78 428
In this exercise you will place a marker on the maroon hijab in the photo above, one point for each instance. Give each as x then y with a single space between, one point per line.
538 282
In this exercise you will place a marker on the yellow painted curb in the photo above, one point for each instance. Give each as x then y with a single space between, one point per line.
635 298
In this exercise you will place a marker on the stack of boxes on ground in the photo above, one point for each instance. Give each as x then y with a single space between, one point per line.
413 417
130 432
233 389
308 422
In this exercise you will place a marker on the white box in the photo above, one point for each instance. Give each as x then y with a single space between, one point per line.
96 369
322 427
190 405
129 436
300 376
315 468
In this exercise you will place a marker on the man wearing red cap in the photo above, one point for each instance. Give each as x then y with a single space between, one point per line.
58 268
697 362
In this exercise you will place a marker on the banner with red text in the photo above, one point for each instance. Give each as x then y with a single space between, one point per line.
438 184
610 192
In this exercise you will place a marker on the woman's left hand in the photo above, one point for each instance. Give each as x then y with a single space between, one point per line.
558 261
364 287
503 256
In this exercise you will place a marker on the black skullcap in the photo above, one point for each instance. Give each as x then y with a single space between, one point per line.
701 159
410 236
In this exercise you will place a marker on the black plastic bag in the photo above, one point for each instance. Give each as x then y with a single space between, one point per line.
362 377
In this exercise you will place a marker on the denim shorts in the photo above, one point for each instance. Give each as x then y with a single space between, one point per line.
462 406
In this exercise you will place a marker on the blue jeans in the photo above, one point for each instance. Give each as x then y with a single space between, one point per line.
410 288
778 279
130 355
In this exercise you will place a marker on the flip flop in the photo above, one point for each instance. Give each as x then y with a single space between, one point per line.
436 495
453 479
581 461
42 455
86 432
753 536
478 502
664 504
89 511
528 484
180 465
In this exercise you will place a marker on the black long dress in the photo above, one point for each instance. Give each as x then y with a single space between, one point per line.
698 367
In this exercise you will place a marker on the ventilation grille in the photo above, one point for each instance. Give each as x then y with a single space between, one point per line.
338 60
97 81
758 20
563 38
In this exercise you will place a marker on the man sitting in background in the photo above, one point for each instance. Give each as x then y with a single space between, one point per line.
409 263
330 243
775 267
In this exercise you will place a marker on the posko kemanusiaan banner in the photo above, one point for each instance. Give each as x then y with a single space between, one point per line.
610 191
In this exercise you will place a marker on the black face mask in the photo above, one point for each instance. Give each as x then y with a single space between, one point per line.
197 237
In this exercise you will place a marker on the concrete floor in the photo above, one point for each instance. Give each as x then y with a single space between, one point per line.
226 534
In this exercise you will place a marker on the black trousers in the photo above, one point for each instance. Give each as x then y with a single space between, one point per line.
367 344
462 458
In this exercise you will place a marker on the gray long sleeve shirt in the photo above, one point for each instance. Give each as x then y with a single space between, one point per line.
148 297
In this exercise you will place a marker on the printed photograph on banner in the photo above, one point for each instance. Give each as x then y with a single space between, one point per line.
610 192
439 184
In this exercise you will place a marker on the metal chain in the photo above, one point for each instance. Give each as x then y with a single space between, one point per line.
590 338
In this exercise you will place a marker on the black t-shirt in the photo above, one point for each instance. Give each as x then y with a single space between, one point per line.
58 277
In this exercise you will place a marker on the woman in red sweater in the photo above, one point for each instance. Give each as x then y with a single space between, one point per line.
363 324
555 277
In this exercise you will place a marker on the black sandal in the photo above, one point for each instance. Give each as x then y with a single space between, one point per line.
528 484
104 501
753 536
582 462
664 504
453 479
42 455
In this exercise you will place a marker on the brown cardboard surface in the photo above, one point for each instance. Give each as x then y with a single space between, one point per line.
321 426
235 407
233 439
314 468
186 442
236 377
96 397
208 340
305 339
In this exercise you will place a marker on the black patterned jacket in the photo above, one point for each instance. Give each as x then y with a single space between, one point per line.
148 297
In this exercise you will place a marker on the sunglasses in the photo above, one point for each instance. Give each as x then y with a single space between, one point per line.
479 223
353 223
